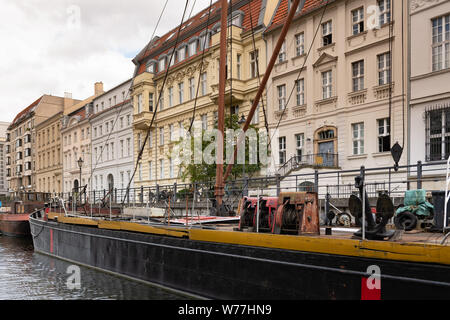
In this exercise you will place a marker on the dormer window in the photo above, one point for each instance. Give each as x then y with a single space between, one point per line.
151 67
182 53
162 64
192 48
204 40
290 6
237 18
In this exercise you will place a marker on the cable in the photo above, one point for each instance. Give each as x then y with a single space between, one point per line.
157 104
266 123
201 67
125 100
300 72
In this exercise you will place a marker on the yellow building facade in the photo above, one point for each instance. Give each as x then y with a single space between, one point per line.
195 67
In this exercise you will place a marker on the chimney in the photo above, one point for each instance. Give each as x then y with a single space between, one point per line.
98 88
68 101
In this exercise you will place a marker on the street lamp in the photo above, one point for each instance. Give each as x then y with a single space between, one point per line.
80 165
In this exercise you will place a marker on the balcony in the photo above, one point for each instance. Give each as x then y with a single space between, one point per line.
238 92
317 161
142 120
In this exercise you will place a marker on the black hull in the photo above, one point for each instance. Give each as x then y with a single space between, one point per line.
223 271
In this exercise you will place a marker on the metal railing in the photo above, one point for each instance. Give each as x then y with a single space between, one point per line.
319 160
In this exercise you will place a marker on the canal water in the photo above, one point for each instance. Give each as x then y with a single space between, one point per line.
26 275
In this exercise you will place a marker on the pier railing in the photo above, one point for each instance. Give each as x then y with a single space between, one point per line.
337 184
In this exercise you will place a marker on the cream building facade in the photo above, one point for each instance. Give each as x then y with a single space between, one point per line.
429 121
76 143
49 151
195 67
21 149
340 114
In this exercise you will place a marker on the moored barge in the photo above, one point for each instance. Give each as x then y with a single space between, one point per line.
222 263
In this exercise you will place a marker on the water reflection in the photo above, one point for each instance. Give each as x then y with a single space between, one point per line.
26 275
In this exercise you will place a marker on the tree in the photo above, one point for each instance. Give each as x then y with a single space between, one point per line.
205 172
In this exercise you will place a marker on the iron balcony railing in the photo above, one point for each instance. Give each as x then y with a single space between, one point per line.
319 160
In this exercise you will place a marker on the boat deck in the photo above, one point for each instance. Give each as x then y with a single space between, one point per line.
407 246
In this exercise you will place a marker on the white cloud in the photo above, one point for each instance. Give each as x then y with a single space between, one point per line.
45 51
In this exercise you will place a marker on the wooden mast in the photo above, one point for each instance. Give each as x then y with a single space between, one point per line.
219 188
263 84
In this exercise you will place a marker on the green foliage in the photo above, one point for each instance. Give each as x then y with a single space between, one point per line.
207 172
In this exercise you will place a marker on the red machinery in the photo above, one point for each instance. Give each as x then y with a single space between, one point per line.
248 210
298 213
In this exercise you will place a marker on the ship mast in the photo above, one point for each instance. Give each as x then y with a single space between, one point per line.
219 188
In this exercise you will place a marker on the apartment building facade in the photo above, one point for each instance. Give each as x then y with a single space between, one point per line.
76 143
112 139
49 150
429 121
3 158
337 95
21 149
192 82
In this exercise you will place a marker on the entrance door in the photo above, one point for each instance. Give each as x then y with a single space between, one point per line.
326 154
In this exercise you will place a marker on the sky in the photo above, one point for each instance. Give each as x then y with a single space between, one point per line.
57 46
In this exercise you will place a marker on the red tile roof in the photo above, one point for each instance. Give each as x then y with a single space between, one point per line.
282 12
154 50
26 111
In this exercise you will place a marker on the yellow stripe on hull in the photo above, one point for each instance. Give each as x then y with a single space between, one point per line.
410 251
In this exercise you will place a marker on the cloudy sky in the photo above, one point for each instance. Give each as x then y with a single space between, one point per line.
57 46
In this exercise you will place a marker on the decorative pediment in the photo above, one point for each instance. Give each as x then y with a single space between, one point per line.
324 59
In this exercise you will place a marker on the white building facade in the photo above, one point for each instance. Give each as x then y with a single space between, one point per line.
3 159
429 119
112 140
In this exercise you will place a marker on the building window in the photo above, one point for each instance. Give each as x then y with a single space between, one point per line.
254 64
140 103
162 65
191 88
300 44
282 150
384 135
281 97
358 75
182 53
441 43
358 21
150 102
170 96
172 132
300 139
129 147
282 54
161 101
122 149
358 138
384 7
327 84
161 136
255 119
140 171
181 92
384 68
192 48
238 66
150 68
180 130
171 168
204 122
204 41
203 83
327 35
438 134
161 169
300 85
150 170
150 139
